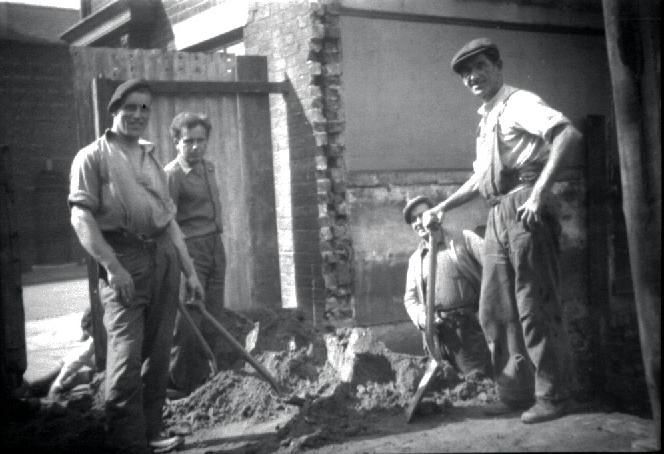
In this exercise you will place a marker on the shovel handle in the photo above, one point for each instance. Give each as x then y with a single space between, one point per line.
240 349
208 351
430 330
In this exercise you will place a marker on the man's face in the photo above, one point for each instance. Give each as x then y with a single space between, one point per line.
131 118
192 144
416 217
482 77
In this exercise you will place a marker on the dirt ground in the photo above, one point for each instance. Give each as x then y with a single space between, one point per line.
237 411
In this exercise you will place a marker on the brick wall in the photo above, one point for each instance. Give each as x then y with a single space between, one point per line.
37 123
283 32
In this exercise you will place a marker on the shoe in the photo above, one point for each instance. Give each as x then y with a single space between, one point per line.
544 410
182 429
166 444
500 408
174 394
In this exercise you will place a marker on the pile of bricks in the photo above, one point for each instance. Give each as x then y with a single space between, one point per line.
328 124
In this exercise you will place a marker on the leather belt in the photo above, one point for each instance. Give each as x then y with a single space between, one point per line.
124 238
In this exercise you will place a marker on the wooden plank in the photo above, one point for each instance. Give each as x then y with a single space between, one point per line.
258 178
189 87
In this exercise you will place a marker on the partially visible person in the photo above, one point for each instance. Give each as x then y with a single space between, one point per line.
76 361
193 187
457 293
521 144
124 217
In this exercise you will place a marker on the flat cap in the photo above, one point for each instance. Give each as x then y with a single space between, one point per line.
470 49
412 203
124 89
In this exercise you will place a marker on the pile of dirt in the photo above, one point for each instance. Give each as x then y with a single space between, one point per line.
323 408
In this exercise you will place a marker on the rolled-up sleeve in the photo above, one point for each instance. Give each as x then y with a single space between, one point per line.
84 180
528 112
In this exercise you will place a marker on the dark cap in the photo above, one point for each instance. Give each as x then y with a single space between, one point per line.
124 89
412 203
472 48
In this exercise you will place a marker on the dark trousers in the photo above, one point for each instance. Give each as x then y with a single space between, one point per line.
463 343
189 367
139 341
520 309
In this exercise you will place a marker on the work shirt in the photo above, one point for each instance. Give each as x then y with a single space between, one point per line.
122 192
455 287
195 193
525 129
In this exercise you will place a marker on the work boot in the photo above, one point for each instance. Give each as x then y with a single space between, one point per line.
164 443
175 394
544 410
502 407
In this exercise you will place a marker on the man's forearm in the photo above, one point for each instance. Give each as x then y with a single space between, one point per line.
177 238
567 141
91 238
466 192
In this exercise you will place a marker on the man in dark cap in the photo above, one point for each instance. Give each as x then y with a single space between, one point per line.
124 217
193 187
457 291
521 143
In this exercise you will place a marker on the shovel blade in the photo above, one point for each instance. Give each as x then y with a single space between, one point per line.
422 388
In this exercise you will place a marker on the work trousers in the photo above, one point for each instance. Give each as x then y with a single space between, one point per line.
139 340
520 309
189 366
462 342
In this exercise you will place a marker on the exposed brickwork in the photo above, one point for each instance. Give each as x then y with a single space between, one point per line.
179 10
281 31
328 126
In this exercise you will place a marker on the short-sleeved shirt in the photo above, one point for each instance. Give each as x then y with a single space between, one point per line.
122 192
525 128
195 193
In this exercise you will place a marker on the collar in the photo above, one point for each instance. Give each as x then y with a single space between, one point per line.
145 145
186 167
500 96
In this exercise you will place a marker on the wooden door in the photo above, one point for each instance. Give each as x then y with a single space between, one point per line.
233 92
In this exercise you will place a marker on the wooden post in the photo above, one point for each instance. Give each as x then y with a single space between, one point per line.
633 43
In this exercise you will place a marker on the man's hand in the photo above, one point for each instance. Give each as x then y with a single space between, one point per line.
432 217
529 213
194 288
121 281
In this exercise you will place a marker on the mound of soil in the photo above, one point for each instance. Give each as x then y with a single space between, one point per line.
322 408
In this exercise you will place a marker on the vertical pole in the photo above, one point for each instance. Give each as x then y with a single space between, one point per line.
633 45
597 187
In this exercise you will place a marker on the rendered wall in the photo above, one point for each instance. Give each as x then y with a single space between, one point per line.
410 130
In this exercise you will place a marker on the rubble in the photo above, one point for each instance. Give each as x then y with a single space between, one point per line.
340 383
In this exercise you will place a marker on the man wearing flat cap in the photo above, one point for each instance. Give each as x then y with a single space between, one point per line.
457 290
521 143
124 217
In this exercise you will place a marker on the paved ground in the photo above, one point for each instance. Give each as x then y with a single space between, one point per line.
54 299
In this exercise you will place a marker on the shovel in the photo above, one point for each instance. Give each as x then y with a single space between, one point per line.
430 333
212 360
240 349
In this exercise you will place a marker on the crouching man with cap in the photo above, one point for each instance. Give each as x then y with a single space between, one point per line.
457 291
521 143
123 215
